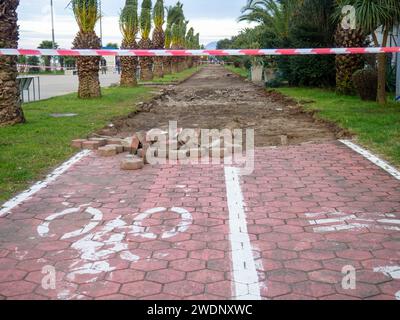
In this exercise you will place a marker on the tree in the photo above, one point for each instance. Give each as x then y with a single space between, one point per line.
47 44
10 102
182 64
129 25
111 45
175 40
190 44
374 16
293 24
174 15
33 63
87 13
158 36
197 46
68 61
277 16
146 63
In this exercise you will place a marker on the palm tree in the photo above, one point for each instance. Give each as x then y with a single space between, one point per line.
346 65
167 60
158 36
129 25
182 44
146 63
175 41
87 13
190 45
197 46
275 15
174 15
373 16
10 102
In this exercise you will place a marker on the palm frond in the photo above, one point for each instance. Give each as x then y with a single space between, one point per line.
87 13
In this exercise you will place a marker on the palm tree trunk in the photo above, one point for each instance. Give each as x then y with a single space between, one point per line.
10 102
167 65
88 67
347 64
146 63
88 73
158 67
382 59
175 65
129 67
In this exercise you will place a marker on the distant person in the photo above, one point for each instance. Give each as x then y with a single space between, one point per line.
103 65
118 64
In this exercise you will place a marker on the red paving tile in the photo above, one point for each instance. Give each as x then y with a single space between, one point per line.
296 201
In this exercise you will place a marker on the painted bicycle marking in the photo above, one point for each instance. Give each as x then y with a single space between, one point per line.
96 247
181 227
393 272
97 216
339 221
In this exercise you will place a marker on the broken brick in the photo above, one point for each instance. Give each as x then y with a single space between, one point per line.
77 143
135 143
91 145
102 142
132 164
114 141
107 151
119 148
154 135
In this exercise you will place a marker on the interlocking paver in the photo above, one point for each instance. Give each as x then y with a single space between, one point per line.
292 192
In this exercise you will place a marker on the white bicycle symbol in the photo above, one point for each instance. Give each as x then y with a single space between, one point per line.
96 247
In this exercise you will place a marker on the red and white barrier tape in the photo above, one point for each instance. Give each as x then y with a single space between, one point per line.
182 53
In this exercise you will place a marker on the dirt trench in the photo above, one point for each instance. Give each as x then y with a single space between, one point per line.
215 98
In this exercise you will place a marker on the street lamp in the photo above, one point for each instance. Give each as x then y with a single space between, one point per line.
101 25
52 24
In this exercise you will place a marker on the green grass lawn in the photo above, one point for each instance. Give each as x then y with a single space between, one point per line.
176 77
376 127
29 151
41 73
240 71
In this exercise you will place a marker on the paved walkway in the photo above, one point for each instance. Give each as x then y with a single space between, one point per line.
52 86
287 231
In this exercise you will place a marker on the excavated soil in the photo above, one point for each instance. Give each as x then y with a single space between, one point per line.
214 98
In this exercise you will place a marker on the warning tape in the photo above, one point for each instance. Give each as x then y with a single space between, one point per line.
183 53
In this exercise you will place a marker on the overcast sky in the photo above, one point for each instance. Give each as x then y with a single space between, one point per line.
214 19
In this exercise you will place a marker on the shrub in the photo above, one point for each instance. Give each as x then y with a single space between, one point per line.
366 83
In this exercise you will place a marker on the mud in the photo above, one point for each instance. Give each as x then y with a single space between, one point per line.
214 98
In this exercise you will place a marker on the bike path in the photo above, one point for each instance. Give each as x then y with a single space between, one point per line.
207 232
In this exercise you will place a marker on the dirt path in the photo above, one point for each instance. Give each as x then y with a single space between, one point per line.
215 98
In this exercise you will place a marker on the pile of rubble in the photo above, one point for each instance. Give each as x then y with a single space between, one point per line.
182 145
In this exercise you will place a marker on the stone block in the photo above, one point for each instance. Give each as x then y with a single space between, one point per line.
132 164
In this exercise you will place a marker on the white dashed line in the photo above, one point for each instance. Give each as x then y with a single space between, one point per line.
373 158
246 283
